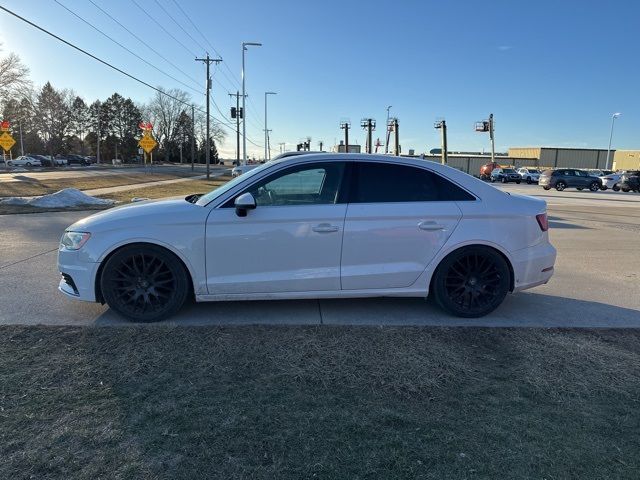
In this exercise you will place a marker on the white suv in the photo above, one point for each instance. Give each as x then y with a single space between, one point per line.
529 175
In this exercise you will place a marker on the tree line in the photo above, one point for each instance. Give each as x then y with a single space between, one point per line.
58 121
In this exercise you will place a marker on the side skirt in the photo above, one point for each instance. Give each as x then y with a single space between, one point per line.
313 295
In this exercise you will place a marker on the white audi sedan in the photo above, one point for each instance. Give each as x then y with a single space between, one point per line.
314 226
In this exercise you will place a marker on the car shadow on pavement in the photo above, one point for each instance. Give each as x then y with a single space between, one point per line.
521 310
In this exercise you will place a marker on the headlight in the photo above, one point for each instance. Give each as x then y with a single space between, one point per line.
74 240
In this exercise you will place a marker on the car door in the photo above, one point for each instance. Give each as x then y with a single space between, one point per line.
291 241
398 218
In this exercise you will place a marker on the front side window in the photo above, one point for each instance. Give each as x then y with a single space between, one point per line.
313 184
385 183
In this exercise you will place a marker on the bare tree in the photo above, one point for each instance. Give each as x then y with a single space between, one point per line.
14 77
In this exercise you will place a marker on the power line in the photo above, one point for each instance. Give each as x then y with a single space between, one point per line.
180 26
125 48
117 69
163 29
145 43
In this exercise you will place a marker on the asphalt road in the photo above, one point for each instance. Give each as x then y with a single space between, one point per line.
596 283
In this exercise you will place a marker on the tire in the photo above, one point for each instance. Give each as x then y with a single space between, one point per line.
493 179
616 188
579 188
603 188
10 163
471 282
547 188
528 180
504 180
144 283
518 182
28 164
560 186
624 189
594 187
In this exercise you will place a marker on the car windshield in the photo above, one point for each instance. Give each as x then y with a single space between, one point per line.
215 193
508 170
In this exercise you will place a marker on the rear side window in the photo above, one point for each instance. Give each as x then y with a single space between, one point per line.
387 183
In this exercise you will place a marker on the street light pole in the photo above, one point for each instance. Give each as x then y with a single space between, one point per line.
613 119
244 95
267 151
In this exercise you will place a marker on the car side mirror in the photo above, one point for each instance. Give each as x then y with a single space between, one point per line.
244 203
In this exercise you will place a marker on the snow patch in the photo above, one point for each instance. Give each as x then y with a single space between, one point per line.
69 197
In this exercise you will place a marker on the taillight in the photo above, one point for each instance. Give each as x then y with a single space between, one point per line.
543 221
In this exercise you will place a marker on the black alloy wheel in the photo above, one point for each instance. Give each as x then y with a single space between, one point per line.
471 282
560 186
144 283
594 187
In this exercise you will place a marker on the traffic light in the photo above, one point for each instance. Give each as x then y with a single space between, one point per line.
233 112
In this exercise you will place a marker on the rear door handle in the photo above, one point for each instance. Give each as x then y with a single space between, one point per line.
430 226
325 228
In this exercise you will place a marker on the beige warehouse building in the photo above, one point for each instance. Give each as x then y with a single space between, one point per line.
555 157
626 160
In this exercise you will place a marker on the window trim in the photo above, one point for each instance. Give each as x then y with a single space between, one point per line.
229 203
355 172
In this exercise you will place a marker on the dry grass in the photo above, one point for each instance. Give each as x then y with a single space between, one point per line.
169 190
318 402
31 187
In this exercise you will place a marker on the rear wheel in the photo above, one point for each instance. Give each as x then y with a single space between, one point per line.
471 282
144 283
579 188
547 188
594 187
616 188
518 182
528 180
624 189
560 186
603 188
493 179
28 164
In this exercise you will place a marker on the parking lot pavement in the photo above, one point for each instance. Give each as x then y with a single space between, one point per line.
595 284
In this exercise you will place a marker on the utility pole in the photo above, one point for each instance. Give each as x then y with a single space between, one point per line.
98 135
244 96
393 126
208 61
442 125
386 144
493 143
368 124
193 136
21 144
237 113
267 151
321 143
346 125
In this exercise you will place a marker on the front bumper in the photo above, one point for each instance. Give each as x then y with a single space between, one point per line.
533 266
81 273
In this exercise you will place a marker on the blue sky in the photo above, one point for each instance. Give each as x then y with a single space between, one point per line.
552 72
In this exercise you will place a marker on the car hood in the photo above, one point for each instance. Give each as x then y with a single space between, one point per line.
135 216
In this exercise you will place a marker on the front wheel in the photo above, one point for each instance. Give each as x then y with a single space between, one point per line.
625 190
547 188
603 188
560 186
493 179
528 180
518 182
579 188
504 180
471 282
594 187
28 164
616 188
144 283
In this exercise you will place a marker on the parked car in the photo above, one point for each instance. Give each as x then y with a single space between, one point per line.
611 180
630 181
76 159
505 175
529 175
486 169
562 178
397 227
24 161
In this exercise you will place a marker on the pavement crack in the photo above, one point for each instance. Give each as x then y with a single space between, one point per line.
320 312
28 258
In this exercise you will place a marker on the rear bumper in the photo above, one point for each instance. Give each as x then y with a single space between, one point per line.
533 266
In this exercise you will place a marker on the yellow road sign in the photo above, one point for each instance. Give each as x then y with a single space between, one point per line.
147 143
6 141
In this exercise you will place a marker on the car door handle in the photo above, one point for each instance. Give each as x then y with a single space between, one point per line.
430 226
325 228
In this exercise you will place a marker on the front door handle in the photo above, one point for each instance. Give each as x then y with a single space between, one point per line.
325 228
430 226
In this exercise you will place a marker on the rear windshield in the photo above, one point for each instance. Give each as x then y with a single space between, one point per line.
509 170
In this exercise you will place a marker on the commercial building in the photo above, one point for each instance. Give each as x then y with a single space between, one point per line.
557 157
626 160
